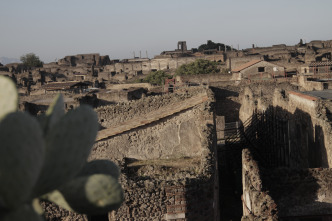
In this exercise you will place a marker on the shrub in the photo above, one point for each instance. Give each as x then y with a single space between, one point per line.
31 60
199 66
156 77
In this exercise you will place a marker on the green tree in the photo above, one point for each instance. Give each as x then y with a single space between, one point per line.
31 60
199 66
211 45
156 77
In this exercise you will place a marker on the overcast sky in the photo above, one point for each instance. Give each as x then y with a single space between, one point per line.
53 29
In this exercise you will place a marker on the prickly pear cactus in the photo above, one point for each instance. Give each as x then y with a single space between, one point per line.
46 158
24 212
8 96
21 157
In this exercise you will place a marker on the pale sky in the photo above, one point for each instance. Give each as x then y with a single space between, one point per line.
53 29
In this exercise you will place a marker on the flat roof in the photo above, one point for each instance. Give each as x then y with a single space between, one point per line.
325 94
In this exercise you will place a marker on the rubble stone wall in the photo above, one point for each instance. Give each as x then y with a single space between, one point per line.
309 127
168 167
113 115
205 78
300 192
257 203
310 85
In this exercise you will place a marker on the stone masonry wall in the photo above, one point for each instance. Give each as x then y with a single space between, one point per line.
157 64
284 192
205 78
309 126
177 136
162 180
310 129
168 167
252 72
310 85
257 203
300 192
157 193
113 115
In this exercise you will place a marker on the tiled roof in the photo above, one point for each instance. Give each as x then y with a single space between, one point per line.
246 65
320 63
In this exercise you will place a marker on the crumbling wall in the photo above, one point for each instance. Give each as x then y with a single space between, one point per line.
54 212
84 60
168 167
309 128
276 193
145 66
205 78
300 192
160 192
113 115
177 137
257 203
248 104
310 85
124 95
149 65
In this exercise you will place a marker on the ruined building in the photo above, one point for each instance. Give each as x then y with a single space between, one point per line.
286 154
257 148
166 149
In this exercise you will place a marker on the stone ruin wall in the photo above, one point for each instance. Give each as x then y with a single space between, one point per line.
147 66
84 60
256 201
156 189
299 192
144 67
175 176
309 126
307 85
272 194
176 137
114 115
206 78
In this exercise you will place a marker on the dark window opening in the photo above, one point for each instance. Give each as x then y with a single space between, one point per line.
261 69
98 218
